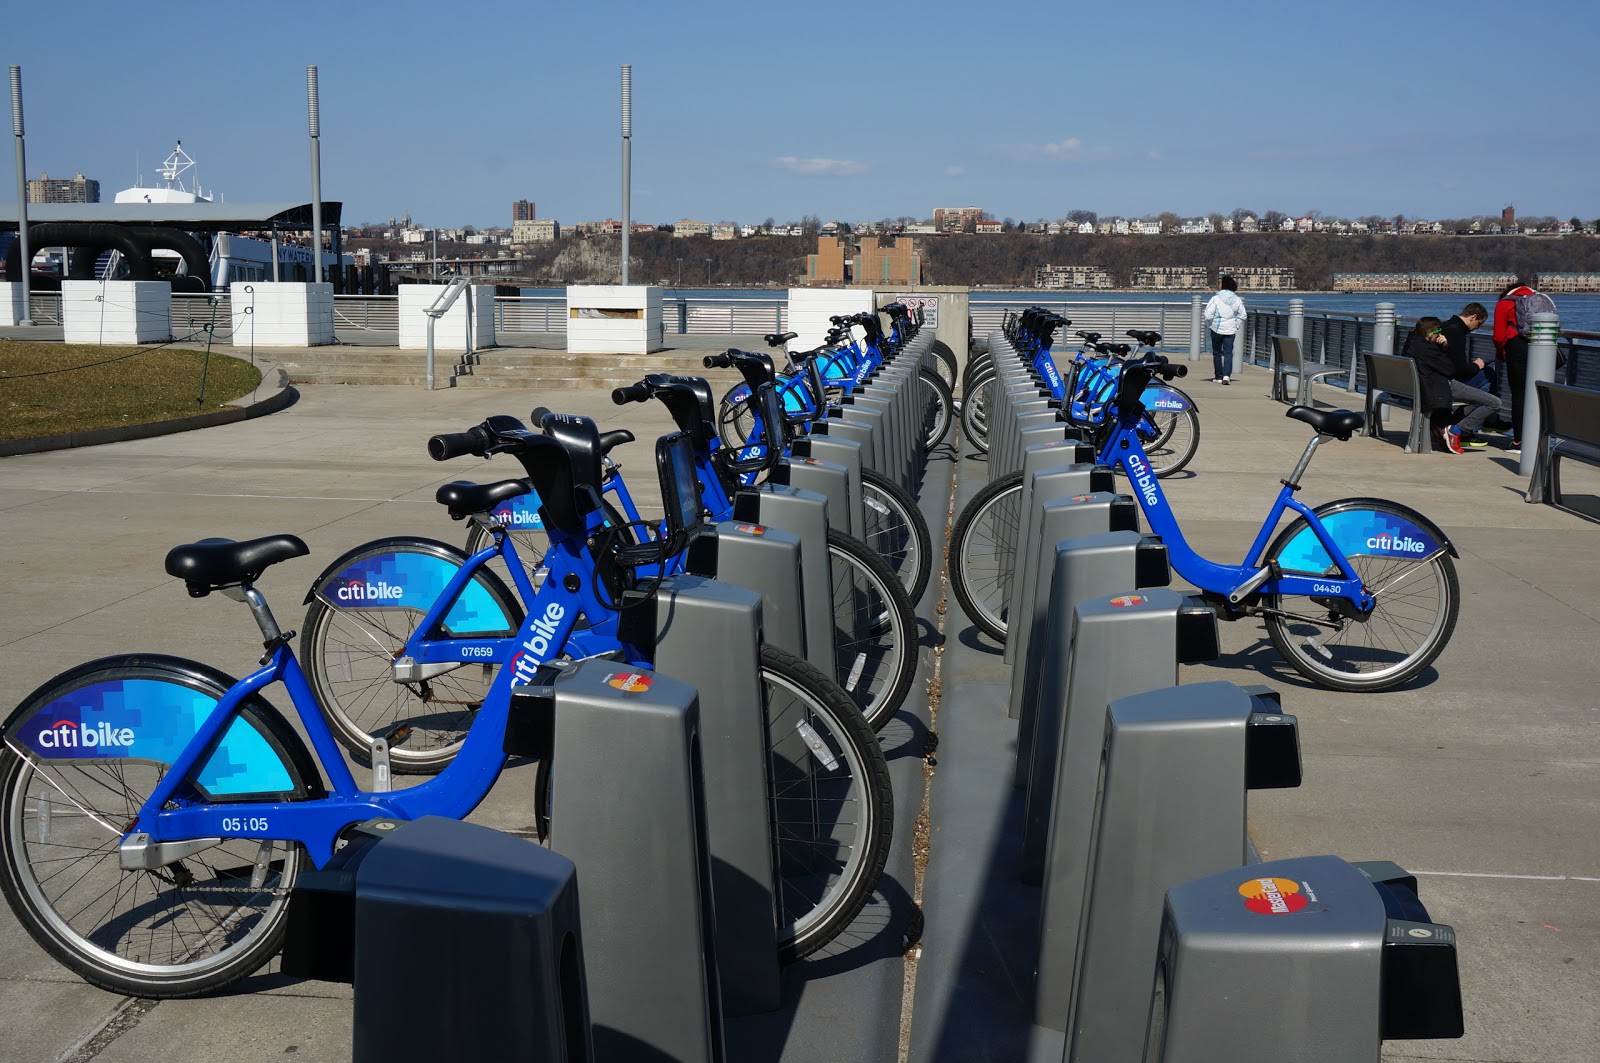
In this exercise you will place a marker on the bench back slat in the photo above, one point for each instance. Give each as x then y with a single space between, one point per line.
1287 349
1392 373
1569 412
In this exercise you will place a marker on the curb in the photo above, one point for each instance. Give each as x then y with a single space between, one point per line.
274 393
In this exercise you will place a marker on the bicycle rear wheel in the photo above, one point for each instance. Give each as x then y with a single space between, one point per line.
190 927
1417 603
938 408
975 412
1175 441
896 530
735 417
831 803
874 630
348 653
942 360
983 554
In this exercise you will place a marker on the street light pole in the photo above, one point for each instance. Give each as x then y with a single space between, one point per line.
314 111
708 273
627 163
25 255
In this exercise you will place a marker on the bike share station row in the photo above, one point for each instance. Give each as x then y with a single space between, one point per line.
646 930
1092 893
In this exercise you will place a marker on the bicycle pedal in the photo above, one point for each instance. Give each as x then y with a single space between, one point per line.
397 734
378 755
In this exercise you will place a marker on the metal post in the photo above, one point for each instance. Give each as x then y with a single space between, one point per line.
1545 333
627 163
25 255
275 256
314 110
433 272
1197 327
1297 321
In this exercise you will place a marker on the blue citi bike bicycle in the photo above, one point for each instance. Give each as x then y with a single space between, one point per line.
1358 594
155 813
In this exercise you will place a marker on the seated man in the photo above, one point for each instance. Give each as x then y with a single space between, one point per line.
1427 347
1480 402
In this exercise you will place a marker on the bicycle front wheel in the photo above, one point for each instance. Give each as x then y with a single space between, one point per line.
829 796
1175 440
874 629
735 417
983 554
189 927
975 412
1417 603
897 531
937 409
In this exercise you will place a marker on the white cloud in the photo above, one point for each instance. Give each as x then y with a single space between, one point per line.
1068 149
820 167
954 171
1153 155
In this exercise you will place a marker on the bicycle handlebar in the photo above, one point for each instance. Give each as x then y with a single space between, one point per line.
639 392
719 361
449 445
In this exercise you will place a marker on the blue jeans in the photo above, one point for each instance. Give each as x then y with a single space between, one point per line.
1221 355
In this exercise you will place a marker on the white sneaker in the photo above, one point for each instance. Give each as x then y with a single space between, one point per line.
1225 380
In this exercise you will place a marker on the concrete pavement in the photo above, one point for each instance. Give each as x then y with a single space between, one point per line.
1482 776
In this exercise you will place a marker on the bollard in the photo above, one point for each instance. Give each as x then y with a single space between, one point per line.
1177 767
487 922
1311 959
762 559
1121 645
805 514
1297 321
627 768
709 634
1545 332
1197 329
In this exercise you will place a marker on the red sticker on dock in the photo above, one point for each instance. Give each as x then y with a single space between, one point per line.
630 682
1122 601
752 529
1273 896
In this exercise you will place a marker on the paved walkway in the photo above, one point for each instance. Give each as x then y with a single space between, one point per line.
1483 775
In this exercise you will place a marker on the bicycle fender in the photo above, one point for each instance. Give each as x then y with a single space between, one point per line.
1361 529
1157 397
94 713
407 572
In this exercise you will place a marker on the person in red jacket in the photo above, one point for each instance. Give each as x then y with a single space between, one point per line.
1511 349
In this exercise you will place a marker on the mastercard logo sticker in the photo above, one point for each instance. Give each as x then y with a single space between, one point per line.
1122 601
1082 498
752 529
1272 896
630 682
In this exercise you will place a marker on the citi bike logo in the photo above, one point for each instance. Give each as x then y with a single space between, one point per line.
525 664
1168 404
1053 376
1402 543
518 518
359 590
1144 479
65 734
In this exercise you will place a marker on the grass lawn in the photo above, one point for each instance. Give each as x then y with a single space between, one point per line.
51 388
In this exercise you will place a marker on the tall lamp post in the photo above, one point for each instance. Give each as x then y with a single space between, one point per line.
25 255
314 112
627 162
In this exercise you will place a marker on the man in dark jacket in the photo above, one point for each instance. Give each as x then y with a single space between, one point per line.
1427 346
1480 404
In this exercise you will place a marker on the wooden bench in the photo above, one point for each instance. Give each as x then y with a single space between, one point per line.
1392 381
1288 361
1569 427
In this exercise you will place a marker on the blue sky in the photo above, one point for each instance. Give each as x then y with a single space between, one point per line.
843 110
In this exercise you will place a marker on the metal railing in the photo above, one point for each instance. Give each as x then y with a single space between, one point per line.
1109 318
380 313
1335 338
530 313
45 307
193 312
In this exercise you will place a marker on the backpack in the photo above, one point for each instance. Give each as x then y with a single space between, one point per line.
1528 305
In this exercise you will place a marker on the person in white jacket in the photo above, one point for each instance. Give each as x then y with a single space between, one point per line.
1224 317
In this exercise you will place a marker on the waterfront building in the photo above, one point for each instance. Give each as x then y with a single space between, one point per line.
895 263
724 230
1171 277
685 227
1196 226
535 230
1569 282
1076 277
988 227
522 210
1248 224
920 229
79 189
1422 282
827 266
1260 278
1148 227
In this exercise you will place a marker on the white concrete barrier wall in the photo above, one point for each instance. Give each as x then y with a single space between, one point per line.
116 311
614 319
810 308
450 333
10 303
281 314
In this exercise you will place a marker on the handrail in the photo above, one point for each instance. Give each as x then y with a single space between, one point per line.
440 307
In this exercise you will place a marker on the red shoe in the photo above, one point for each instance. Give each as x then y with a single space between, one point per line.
1452 441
